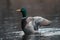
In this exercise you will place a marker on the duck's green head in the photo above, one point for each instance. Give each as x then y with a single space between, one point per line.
24 12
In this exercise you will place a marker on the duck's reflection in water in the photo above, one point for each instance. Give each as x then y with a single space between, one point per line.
38 37
30 37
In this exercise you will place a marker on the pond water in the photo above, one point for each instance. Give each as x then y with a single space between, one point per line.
45 34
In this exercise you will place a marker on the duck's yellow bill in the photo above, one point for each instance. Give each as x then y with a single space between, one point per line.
18 10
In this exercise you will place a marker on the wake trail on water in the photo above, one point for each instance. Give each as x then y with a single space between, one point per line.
49 31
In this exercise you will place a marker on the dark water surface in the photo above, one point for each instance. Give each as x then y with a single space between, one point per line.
28 37
31 37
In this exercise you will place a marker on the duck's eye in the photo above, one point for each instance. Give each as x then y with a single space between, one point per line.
22 10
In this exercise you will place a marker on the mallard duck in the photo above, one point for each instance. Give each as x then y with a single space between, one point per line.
30 24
